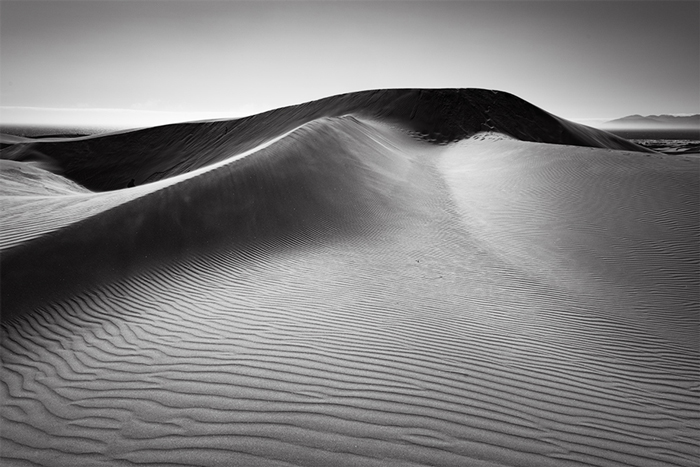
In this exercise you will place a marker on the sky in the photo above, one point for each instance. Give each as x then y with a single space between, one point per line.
136 63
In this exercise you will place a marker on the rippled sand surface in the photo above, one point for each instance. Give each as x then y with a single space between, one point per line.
347 294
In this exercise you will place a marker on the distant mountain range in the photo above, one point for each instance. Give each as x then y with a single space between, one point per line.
654 122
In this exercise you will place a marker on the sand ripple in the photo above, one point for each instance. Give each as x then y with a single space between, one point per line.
350 296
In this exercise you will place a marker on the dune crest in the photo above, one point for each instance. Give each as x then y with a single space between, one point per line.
110 162
404 277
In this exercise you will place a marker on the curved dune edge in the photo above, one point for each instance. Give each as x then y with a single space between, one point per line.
31 197
114 161
351 296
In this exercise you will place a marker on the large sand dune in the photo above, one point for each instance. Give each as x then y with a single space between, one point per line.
382 278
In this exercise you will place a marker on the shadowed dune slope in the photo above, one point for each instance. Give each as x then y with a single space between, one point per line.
111 162
290 190
337 291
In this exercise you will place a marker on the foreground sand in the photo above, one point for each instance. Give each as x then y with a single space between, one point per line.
350 295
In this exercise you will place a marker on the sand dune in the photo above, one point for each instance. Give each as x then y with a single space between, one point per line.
110 162
382 278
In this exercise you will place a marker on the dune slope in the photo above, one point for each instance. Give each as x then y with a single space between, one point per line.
341 292
111 162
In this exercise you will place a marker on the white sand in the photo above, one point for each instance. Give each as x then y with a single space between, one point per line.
390 302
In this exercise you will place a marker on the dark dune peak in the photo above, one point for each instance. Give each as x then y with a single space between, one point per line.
111 162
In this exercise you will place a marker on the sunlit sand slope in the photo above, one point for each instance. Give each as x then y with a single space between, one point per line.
350 295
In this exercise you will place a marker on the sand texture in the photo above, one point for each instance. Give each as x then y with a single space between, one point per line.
404 277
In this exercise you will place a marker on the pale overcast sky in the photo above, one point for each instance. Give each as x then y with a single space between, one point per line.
578 60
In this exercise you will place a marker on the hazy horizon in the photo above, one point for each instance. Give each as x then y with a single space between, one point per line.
130 64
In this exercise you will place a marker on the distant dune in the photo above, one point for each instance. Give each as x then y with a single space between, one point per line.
393 277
